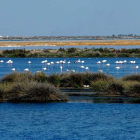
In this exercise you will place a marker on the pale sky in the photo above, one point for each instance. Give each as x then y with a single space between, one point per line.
69 17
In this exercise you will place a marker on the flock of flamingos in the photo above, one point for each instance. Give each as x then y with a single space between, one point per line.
46 64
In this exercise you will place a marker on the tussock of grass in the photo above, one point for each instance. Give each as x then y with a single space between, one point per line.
99 85
134 77
26 87
54 79
40 77
134 90
115 88
17 77
72 79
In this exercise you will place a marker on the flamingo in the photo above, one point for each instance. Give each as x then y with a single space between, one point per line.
29 62
104 62
68 63
43 69
13 69
26 69
1 62
82 67
42 63
137 68
73 70
101 71
99 62
108 66
87 68
117 69
61 68
9 62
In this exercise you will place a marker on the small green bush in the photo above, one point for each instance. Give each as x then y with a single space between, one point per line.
134 77
134 90
115 88
99 86
41 77
54 79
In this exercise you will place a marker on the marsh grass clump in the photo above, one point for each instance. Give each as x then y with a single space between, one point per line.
128 84
26 87
41 92
13 77
81 79
72 80
99 76
40 77
9 78
99 85
134 90
134 77
114 88
54 79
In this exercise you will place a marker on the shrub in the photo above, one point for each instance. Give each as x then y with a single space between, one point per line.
71 50
72 79
134 77
115 88
9 78
99 76
54 79
41 77
99 86
41 92
30 91
134 90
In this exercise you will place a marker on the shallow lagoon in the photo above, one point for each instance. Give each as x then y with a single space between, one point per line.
21 63
69 121
81 118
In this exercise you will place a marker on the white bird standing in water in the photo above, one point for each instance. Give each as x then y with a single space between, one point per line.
82 62
137 68
29 62
9 62
26 69
1 62
82 67
87 68
43 69
13 69
68 63
117 69
104 62
61 68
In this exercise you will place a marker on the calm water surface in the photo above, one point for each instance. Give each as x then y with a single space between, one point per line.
69 121
21 63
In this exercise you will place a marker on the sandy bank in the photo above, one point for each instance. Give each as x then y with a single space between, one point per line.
72 43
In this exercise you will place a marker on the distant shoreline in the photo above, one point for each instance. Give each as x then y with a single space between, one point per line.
135 42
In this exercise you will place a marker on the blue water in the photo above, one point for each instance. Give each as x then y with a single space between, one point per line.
21 63
69 121
57 47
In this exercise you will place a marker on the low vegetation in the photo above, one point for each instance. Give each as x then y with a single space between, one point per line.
72 52
28 87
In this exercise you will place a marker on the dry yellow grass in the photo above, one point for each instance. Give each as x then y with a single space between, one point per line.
72 43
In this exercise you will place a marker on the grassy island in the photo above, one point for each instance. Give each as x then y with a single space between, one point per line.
25 87
28 87
72 52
